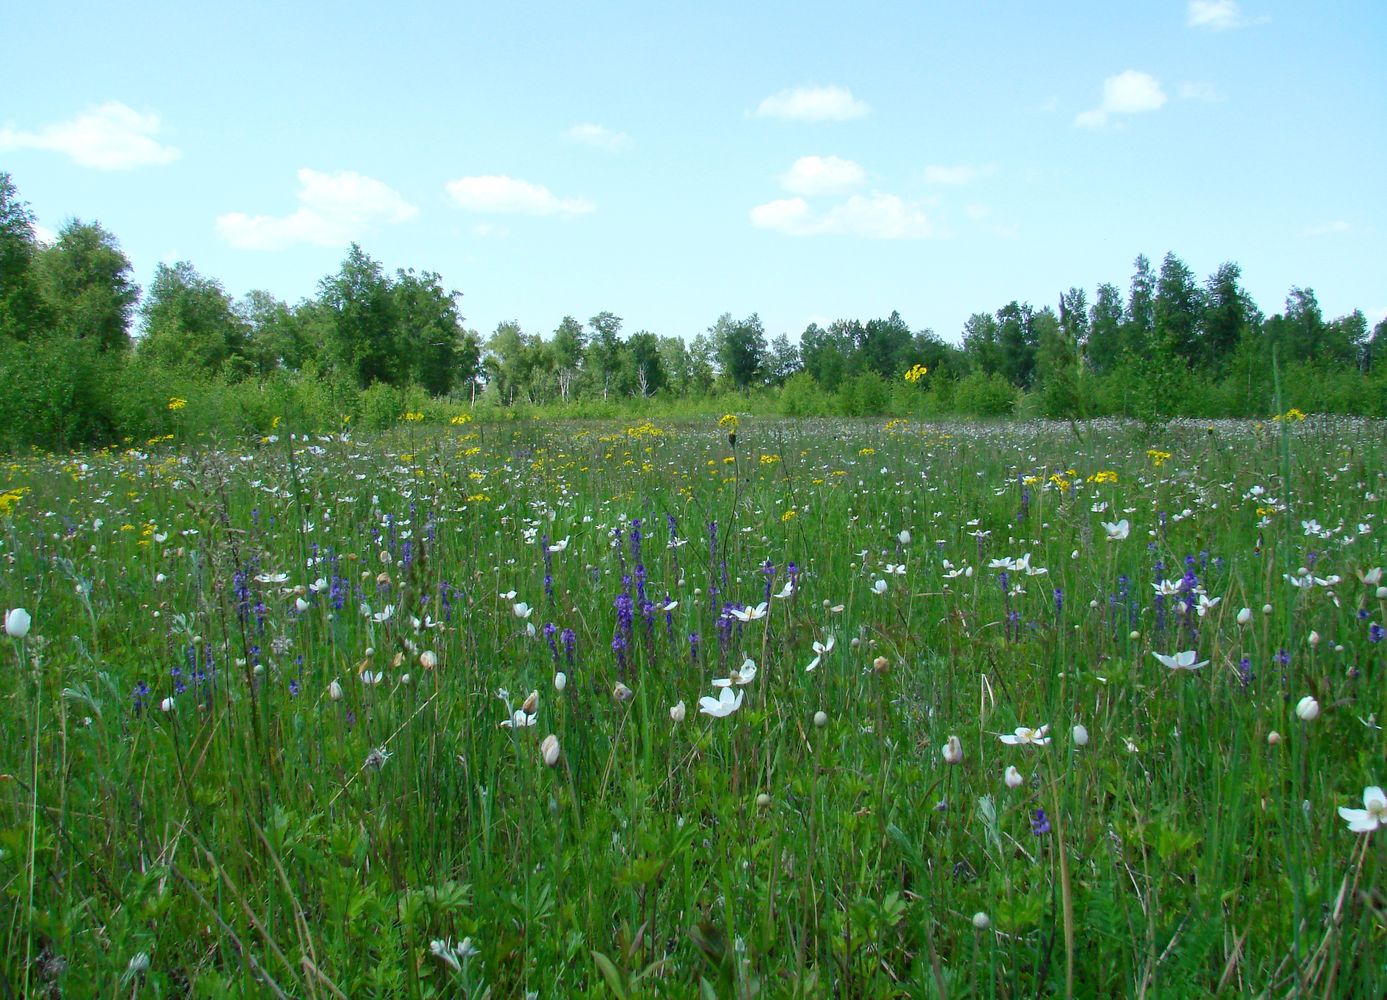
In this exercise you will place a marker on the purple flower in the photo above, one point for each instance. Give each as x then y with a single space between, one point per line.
1040 823
1376 632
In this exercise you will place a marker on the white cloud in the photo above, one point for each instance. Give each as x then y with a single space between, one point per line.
510 195
1217 15
110 136
875 216
1194 91
1327 228
334 209
813 104
961 173
822 175
599 137
1129 92
44 235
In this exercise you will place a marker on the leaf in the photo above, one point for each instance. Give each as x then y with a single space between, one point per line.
611 975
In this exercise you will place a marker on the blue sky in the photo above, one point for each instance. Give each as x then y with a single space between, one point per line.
671 162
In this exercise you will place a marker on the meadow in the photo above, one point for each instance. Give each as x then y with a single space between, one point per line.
740 708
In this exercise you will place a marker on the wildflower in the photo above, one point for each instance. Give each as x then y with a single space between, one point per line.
1273 738
1372 577
820 719
166 705
383 616
560 681
1372 815
1040 824
1118 531
750 614
677 712
375 760
520 719
742 676
904 537
549 750
820 648
428 659
1244 616
724 705
1013 777
915 373
879 587
531 703
1080 736
17 622
622 693
981 921
560 545
1181 661
521 609
1026 737
953 751
334 690
1307 709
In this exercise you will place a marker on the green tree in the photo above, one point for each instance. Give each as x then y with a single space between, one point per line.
825 355
22 309
85 278
1016 333
189 322
982 344
1227 316
883 345
1177 311
1140 320
643 348
427 328
1104 349
277 336
361 335
568 345
782 359
607 363
741 349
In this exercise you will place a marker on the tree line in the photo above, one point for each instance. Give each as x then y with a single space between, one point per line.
85 354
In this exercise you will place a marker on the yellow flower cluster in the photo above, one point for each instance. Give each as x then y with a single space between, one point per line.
460 419
10 499
867 451
177 404
789 515
1158 457
1294 414
645 430
916 373
769 459
729 421
1105 476
414 417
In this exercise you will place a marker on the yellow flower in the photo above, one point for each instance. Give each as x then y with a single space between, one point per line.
1158 457
460 419
729 421
413 417
177 404
769 459
789 515
867 451
916 373
274 423
1105 476
10 499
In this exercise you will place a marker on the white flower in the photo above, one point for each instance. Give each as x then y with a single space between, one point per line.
507 596
820 648
725 704
622 693
383 616
1300 582
166 705
1117 532
953 751
271 577
521 609
1181 661
560 545
549 750
1372 577
786 591
520 719
1307 709
334 690
1080 736
879 587
1313 638
428 659
981 921
1166 588
1244 616
750 614
1013 777
17 623
820 719
372 677
560 681
1206 603
300 605
677 712
1024 736
1372 815
743 675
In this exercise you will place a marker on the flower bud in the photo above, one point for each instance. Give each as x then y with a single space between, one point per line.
549 750
1266 609
1244 616
300 605
166 705
622 693
953 751
1382 593
1013 777
560 681
1273 738
1313 638
1080 736
17 623
881 664
1307 709
676 713
1134 635
763 801
531 703
981 921
334 690
428 659
820 719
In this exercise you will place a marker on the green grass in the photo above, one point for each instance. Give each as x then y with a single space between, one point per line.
263 837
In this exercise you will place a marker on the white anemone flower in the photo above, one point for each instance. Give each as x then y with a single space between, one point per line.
724 705
383 616
879 587
1181 661
1026 737
521 609
560 545
17 622
1117 531
820 648
742 676
750 614
1372 815
520 719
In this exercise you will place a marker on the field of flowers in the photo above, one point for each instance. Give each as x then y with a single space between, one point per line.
753 708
